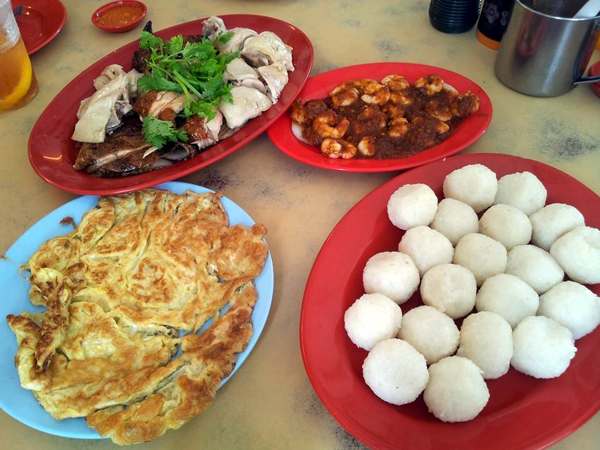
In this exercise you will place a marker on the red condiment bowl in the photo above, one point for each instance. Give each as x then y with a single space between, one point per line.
119 25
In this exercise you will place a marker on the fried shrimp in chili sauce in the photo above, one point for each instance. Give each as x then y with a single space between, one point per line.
391 118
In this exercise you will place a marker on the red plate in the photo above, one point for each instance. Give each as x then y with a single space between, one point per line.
39 21
523 413
52 153
469 131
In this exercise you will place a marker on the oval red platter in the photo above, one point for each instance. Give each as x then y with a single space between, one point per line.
319 86
523 412
52 153
39 21
133 22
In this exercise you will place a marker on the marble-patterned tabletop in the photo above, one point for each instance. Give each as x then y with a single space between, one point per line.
270 403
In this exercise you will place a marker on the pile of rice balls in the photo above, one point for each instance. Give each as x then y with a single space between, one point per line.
492 246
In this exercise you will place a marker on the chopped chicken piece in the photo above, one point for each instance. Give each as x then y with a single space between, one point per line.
212 27
241 74
203 133
237 40
247 103
162 104
276 77
239 70
100 110
267 48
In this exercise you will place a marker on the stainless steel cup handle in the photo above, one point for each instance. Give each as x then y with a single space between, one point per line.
587 80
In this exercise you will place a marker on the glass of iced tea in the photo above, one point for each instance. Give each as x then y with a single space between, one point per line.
17 80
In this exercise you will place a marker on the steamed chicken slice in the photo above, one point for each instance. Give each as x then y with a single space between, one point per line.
246 104
213 27
105 107
236 41
162 104
241 74
276 77
267 48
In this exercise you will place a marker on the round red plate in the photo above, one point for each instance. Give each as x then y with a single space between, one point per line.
523 413
40 21
52 153
468 132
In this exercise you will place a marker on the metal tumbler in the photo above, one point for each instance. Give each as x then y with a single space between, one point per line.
545 52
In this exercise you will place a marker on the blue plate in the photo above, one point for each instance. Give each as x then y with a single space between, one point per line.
19 403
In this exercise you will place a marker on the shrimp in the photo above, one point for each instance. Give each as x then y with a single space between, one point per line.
328 125
398 127
441 127
430 85
338 148
344 95
393 111
298 113
439 111
366 146
375 94
400 98
372 114
464 105
395 83
429 124
304 113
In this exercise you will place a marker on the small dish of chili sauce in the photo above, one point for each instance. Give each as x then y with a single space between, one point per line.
119 16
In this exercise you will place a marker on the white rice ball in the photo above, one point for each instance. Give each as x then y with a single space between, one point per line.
395 371
552 221
456 391
535 267
522 190
486 339
573 306
412 205
372 318
542 347
578 253
431 332
426 247
454 219
450 289
509 297
475 185
392 274
508 225
481 254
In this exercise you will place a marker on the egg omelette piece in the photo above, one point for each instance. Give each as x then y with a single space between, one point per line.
209 358
138 269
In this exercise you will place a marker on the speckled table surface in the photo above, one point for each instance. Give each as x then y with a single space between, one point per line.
270 403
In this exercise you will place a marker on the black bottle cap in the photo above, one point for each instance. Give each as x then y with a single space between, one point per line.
453 16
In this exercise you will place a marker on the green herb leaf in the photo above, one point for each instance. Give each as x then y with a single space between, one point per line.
224 38
175 44
150 41
194 69
200 108
153 82
158 132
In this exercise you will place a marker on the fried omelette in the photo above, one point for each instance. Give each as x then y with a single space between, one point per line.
139 271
